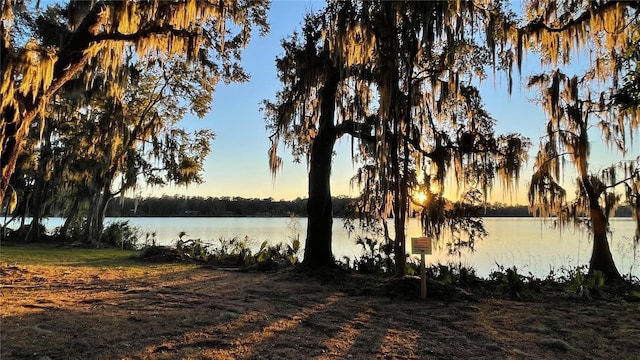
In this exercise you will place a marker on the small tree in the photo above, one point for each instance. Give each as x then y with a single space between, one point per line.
577 105
572 116
139 136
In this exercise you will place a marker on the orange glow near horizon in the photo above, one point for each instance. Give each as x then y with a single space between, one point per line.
420 197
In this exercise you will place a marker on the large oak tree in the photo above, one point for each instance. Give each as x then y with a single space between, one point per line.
100 33
303 116
372 69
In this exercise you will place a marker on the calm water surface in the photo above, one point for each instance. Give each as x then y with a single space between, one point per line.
528 243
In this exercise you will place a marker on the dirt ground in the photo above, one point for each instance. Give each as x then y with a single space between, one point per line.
193 312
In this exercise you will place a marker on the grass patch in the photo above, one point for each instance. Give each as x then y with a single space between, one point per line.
116 262
52 255
46 254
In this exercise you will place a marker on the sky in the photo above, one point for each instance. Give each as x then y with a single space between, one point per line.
238 164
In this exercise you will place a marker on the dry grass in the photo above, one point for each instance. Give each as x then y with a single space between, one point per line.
136 311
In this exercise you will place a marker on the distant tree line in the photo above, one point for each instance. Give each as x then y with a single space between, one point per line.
268 207
501 210
216 206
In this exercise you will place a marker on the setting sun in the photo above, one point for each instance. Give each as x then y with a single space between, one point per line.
420 197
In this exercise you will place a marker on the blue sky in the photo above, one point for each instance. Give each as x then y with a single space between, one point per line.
238 164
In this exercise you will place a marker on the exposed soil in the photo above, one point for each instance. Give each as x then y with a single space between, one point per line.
194 312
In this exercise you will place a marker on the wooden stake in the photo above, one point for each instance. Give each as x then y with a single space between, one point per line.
423 277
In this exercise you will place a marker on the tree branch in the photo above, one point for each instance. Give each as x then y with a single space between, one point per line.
151 30
539 24
355 129
557 156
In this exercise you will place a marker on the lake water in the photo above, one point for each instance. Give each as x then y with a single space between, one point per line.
528 243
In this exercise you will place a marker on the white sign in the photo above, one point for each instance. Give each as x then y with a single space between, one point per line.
421 245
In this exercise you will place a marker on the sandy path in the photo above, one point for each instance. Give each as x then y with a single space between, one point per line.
188 312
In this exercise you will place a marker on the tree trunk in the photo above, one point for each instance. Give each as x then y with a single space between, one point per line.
601 258
39 187
98 214
95 217
71 217
400 204
398 219
403 209
88 232
318 251
36 218
398 146
12 135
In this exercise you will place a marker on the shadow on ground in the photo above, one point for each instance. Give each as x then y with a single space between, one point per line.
202 313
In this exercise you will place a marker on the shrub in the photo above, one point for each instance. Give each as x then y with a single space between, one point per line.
121 234
283 254
21 234
194 248
375 258
583 285
510 282
452 274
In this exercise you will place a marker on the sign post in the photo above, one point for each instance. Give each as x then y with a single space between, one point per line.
422 246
